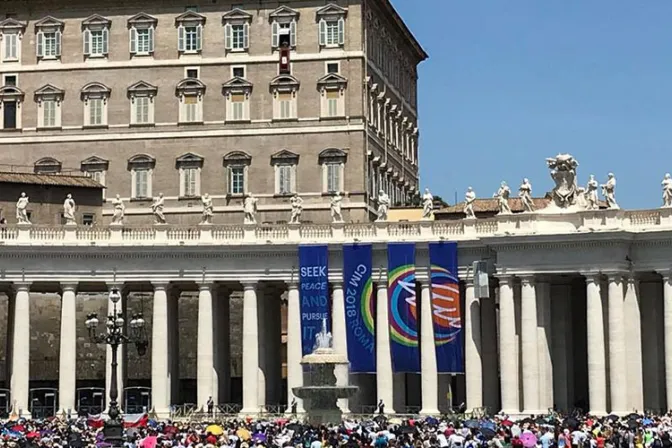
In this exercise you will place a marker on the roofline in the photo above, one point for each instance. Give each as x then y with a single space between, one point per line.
387 4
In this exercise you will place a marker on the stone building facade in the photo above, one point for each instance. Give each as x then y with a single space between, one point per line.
224 97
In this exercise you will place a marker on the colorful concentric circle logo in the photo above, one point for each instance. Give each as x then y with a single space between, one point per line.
402 312
445 305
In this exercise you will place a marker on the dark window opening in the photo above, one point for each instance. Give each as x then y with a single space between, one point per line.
284 40
10 80
192 73
191 8
239 72
9 115
332 67
87 219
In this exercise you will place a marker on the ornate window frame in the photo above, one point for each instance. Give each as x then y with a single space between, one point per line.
231 88
281 160
136 164
237 159
48 92
11 94
96 168
332 84
236 17
48 25
142 89
332 157
190 88
285 84
189 19
47 165
95 91
16 29
328 16
184 164
284 18
96 23
141 21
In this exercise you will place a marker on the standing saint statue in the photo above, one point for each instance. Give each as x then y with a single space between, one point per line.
427 205
383 206
208 209
667 190
591 194
21 210
525 195
297 208
250 209
502 196
336 201
119 210
609 191
157 210
469 199
69 211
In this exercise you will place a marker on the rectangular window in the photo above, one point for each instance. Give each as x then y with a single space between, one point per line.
332 33
333 177
141 109
237 106
95 111
141 183
9 115
51 45
49 113
189 177
144 41
191 38
98 176
11 41
284 179
237 180
285 103
10 80
97 43
238 72
190 108
332 103
332 67
192 73
87 219
238 37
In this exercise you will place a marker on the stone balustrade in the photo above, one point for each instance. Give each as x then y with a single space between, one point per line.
458 230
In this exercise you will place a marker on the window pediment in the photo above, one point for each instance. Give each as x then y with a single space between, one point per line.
47 165
236 15
141 161
331 10
12 25
95 90
189 160
49 91
94 163
96 21
49 23
284 157
236 85
142 20
332 80
142 88
284 13
189 17
285 82
11 93
332 155
237 158
190 86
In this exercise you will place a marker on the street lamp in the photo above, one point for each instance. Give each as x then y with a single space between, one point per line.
114 337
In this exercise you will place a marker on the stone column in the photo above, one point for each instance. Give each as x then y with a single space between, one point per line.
338 331
160 356
530 358
546 400
67 378
597 375
205 349
428 369
667 332
262 337
294 352
384 375
250 349
618 379
121 351
508 361
19 381
473 362
633 344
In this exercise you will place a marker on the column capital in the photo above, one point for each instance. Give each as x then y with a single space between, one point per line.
337 283
21 286
292 284
69 286
160 285
505 278
382 284
206 286
592 277
666 274
249 284
615 276
528 279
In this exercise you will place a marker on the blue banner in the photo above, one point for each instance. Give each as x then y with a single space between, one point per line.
359 307
403 315
447 315
314 293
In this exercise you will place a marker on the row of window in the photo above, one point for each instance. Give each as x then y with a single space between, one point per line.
142 29
190 93
391 124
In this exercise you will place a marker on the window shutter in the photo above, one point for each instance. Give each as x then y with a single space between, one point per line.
246 36
227 36
227 179
133 41
341 31
199 37
59 36
151 39
106 35
40 44
192 182
323 32
180 38
14 43
292 33
275 40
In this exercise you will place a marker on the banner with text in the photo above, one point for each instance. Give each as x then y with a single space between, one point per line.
447 314
359 307
314 293
403 316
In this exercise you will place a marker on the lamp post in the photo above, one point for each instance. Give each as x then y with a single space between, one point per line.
114 337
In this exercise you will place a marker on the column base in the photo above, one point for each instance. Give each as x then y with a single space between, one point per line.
430 412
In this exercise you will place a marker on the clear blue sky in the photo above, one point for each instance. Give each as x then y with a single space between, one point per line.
509 83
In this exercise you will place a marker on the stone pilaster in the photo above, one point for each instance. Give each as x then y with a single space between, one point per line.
508 361
67 378
19 381
473 361
250 350
205 350
160 351
530 357
597 374
618 379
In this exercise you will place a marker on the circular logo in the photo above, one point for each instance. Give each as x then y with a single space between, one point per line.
445 305
403 310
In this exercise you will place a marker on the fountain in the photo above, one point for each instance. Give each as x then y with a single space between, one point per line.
320 391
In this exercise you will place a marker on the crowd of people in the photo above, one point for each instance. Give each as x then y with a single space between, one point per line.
551 431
